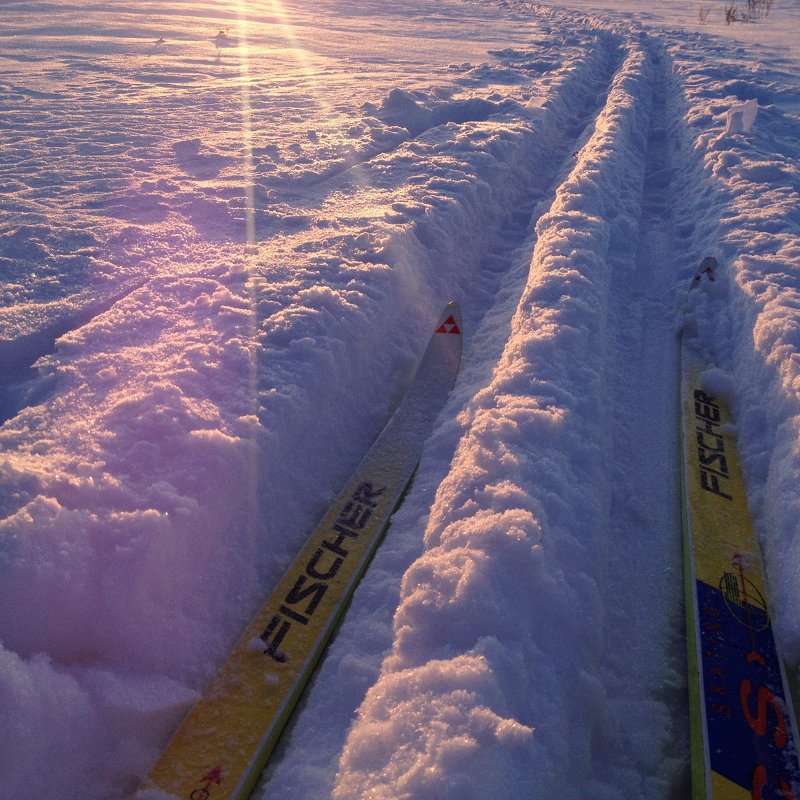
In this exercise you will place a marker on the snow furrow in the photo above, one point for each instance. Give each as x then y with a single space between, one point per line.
644 665
522 521
548 149
739 194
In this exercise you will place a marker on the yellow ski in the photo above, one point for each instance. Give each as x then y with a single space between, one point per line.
742 723
222 745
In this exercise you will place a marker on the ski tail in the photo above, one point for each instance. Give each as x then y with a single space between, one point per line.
743 730
223 744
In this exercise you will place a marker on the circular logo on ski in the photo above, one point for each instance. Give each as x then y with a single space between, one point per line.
744 601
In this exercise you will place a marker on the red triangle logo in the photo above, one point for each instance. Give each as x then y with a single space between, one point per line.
448 326
214 776
706 268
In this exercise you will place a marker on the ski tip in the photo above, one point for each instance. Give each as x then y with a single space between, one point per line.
450 321
706 270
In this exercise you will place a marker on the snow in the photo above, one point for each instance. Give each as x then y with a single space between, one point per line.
226 232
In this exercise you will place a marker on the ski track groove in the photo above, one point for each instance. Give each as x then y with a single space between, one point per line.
497 284
645 559
644 286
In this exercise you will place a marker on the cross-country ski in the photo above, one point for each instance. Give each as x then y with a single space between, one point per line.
744 741
224 742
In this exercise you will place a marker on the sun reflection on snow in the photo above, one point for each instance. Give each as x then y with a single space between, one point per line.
264 33
243 36
252 19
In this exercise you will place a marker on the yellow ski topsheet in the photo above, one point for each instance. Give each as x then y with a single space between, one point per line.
743 721
223 743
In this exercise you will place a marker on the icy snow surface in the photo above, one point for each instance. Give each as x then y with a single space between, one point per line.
225 232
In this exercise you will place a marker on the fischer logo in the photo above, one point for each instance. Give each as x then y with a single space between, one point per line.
714 473
449 326
203 792
302 600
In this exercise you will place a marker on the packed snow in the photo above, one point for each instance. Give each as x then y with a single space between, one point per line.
227 229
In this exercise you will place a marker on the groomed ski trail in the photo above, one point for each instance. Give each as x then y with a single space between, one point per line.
503 221
601 243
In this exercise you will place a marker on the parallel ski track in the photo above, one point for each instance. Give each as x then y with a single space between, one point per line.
497 286
644 561
640 559
639 562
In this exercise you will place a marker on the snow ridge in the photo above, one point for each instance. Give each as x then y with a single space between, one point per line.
519 523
